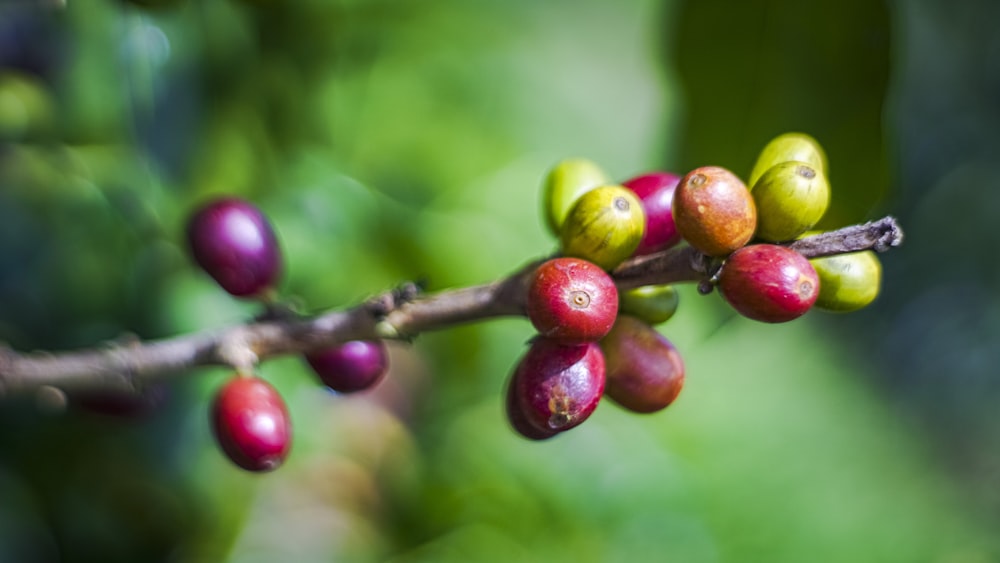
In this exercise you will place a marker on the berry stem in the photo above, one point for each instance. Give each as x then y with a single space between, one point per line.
401 313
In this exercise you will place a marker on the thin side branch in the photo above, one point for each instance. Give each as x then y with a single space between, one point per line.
401 313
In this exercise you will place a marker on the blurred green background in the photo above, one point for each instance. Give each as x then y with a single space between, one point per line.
397 140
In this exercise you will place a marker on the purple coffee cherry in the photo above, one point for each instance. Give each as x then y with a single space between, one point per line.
232 240
351 366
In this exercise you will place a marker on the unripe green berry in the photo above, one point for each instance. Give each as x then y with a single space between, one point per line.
564 184
791 197
605 226
785 147
848 282
653 304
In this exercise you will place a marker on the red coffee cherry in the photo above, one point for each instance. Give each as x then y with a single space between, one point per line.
769 283
645 372
234 243
251 424
656 192
557 386
714 210
351 366
572 301
518 418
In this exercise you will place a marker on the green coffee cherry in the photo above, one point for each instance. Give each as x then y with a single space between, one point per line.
848 282
605 226
785 147
791 197
654 304
564 184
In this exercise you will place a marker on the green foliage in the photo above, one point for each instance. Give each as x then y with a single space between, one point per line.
408 140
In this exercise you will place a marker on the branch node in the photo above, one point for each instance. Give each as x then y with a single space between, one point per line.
705 287
891 233
385 303
236 352
386 330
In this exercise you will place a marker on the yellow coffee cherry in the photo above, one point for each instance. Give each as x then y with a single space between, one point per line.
564 184
789 146
848 282
605 226
791 197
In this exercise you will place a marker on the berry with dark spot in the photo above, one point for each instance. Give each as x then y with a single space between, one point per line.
769 283
572 301
556 387
714 211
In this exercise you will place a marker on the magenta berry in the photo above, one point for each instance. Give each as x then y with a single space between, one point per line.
656 192
351 366
557 386
645 372
517 416
769 283
232 240
572 301
251 424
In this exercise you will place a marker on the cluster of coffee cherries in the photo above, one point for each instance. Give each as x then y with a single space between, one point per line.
234 243
748 229
594 341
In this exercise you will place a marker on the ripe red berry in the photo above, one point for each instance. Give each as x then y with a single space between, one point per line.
572 301
234 243
656 192
351 366
557 386
518 418
645 372
251 424
769 283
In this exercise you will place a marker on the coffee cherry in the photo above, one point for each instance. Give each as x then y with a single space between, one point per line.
518 418
564 184
234 243
848 282
604 226
653 304
351 366
769 283
572 301
656 192
251 424
558 386
645 372
785 147
791 197
714 211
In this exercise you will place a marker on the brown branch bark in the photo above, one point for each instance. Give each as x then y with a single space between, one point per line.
402 313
